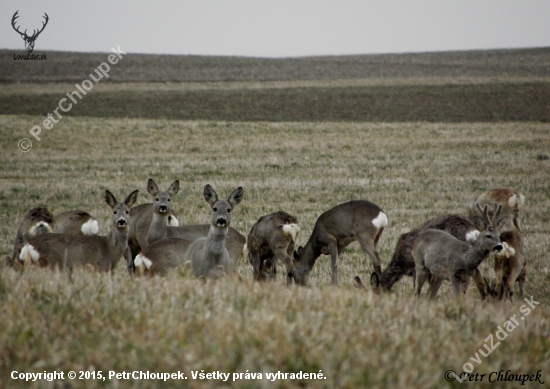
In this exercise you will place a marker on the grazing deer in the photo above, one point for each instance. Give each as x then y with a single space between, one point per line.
209 255
272 238
158 227
29 40
334 230
440 256
510 263
402 262
65 251
36 221
75 222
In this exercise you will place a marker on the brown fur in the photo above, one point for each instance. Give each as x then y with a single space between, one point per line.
70 222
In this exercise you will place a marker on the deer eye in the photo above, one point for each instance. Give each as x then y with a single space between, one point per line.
215 209
127 212
157 199
115 212
168 200
229 210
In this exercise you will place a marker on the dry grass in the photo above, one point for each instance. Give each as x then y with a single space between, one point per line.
413 171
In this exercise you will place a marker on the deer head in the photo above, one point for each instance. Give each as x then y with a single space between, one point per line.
29 40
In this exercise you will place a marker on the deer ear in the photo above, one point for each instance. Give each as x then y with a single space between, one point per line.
210 195
152 187
236 196
174 188
374 280
110 199
131 199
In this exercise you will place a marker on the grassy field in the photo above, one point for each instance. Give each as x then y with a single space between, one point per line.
421 135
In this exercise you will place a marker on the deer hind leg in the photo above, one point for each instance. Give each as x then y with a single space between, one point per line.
256 262
369 245
421 277
334 253
282 255
511 280
435 284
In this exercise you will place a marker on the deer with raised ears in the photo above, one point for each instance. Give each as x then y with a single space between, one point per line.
36 221
440 256
143 216
160 228
208 255
271 239
66 251
29 40
510 264
334 230
76 222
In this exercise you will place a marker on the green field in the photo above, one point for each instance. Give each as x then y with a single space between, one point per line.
465 123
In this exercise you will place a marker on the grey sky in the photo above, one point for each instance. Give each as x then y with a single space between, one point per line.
279 28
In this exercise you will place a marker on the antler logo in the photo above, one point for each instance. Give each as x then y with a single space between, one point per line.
29 40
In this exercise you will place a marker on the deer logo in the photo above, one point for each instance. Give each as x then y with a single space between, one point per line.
29 40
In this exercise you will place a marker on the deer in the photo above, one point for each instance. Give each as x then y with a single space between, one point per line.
440 256
161 257
76 222
272 238
402 262
67 251
158 227
35 222
208 255
334 230
29 40
510 264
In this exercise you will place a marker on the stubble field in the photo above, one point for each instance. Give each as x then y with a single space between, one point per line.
415 170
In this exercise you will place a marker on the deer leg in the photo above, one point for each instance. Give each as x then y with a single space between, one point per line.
333 251
368 245
282 255
435 284
499 273
480 283
256 262
514 273
421 277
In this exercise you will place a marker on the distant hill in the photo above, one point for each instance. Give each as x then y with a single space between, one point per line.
74 67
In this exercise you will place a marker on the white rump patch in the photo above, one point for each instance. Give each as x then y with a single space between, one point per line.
91 227
471 236
142 260
292 230
507 251
172 221
28 251
517 199
381 220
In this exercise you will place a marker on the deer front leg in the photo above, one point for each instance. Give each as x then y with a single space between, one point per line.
333 251
480 284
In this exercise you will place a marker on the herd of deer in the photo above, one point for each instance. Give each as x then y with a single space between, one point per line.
152 241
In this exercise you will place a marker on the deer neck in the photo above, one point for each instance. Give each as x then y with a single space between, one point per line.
118 240
215 241
475 255
157 229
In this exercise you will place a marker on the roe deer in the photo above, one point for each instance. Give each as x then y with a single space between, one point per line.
511 201
69 251
209 255
159 229
75 222
334 230
402 262
35 222
162 256
141 217
440 256
272 238
510 266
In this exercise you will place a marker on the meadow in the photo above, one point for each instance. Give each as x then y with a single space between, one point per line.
414 169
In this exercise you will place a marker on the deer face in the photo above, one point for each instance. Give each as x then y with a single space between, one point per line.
121 211
221 209
300 270
489 240
162 201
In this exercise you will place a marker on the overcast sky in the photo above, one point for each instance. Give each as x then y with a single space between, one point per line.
278 28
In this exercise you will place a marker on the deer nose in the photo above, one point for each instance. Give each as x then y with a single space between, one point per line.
121 222
221 222
498 248
163 208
